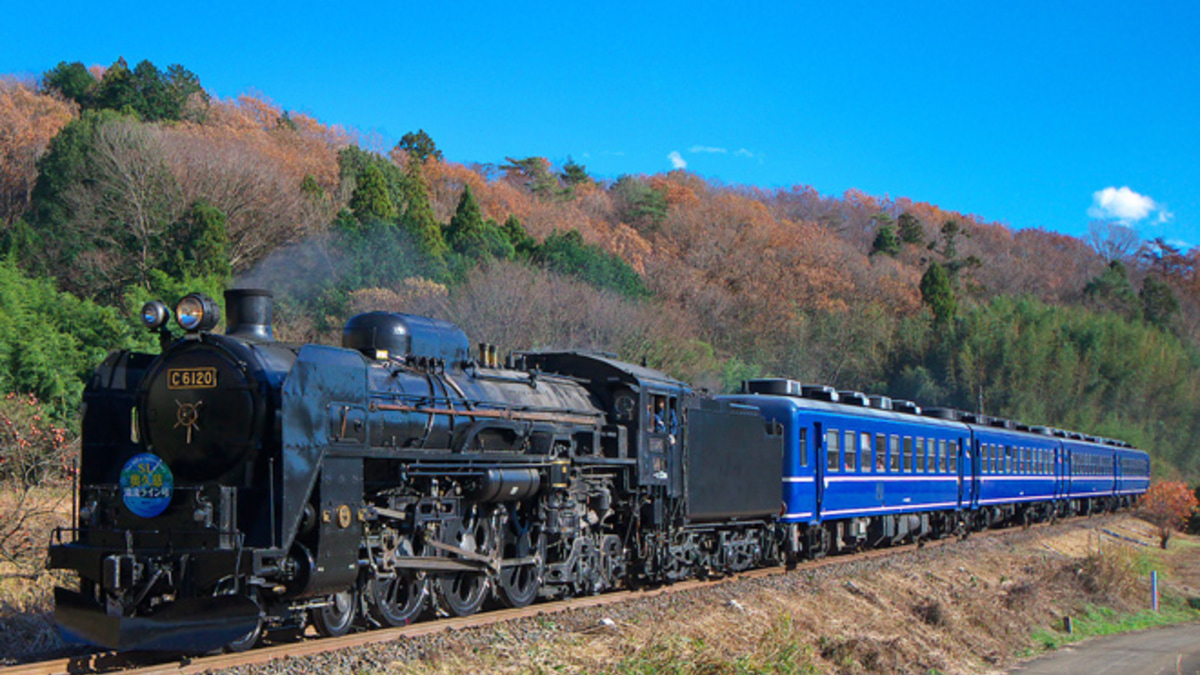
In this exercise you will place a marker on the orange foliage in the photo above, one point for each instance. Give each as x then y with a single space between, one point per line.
309 149
28 120
677 194
249 163
1168 505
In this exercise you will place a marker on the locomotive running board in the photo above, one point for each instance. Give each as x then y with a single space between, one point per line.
189 625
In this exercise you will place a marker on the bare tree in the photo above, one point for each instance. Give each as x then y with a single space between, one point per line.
1111 240
263 204
127 198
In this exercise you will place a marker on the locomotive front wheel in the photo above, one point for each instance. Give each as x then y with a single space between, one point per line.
336 618
396 601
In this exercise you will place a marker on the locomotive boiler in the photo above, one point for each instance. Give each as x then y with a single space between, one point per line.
233 484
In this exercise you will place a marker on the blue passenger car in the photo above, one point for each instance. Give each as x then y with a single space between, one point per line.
1016 466
861 470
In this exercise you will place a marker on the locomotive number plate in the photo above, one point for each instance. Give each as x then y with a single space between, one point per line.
191 378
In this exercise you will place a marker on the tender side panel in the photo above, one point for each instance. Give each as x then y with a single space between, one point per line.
734 467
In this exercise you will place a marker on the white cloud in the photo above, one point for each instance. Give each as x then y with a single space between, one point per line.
1126 206
742 152
677 160
707 149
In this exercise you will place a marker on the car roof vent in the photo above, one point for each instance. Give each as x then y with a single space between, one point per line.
901 405
1000 422
820 392
942 413
853 398
880 402
777 386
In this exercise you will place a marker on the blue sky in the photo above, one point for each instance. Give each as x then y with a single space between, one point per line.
1039 114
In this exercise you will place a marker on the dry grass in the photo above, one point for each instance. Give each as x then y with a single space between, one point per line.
26 587
970 612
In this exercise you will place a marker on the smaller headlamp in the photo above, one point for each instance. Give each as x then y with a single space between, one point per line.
197 312
155 315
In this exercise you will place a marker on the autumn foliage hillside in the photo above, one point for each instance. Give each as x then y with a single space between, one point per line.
122 184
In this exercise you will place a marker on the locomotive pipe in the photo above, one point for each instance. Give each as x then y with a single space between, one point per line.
494 414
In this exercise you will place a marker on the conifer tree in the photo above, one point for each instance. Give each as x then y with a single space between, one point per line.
418 216
909 229
938 294
886 241
471 236
370 200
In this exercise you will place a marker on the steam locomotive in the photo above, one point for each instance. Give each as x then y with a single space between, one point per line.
235 485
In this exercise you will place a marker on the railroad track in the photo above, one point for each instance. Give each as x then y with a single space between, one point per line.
140 665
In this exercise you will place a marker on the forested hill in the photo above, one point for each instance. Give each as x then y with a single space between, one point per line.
122 184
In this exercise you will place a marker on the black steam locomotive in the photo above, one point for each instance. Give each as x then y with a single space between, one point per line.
234 485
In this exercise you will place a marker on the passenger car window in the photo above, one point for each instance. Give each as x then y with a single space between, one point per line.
831 449
864 451
803 446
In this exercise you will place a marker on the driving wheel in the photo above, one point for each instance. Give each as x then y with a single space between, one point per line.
463 593
335 618
396 601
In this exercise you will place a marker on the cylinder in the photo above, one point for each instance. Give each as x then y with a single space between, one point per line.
506 485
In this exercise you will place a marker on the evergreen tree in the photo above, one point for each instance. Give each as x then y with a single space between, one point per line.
418 217
202 243
638 204
514 231
181 85
574 174
72 80
886 241
567 253
152 88
419 145
1159 304
469 235
909 228
938 293
370 200
119 90
1111 291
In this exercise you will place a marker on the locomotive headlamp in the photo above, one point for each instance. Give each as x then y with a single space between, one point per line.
196 312
155 315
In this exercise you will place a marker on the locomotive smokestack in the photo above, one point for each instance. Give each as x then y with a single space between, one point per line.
248 312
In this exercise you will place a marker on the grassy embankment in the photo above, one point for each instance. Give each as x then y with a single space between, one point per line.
974 607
